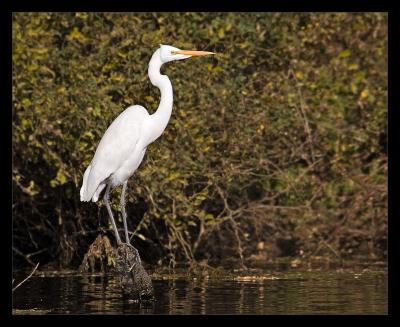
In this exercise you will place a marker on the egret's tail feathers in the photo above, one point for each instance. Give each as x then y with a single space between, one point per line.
90 191
84 199
83 194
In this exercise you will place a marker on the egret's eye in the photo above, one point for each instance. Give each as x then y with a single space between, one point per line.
174 52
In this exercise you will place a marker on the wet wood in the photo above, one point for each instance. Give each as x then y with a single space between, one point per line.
134 280
122 261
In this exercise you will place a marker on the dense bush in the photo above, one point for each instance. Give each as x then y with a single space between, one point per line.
276 146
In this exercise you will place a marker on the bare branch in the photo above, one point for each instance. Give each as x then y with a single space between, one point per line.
30 275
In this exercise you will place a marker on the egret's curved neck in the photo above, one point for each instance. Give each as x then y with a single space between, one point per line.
164 110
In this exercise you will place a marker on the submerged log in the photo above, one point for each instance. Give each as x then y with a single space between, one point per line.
124 262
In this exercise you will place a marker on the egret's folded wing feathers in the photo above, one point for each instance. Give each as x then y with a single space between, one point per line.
118 142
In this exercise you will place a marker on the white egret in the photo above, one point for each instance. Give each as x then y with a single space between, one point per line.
124 143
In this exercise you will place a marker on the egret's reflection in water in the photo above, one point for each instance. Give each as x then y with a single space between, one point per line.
301 293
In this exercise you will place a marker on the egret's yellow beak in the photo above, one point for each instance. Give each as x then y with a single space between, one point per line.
193 53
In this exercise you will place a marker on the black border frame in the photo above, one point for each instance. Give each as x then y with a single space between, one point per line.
205 6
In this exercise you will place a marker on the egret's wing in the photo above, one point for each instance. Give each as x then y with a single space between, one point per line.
117 143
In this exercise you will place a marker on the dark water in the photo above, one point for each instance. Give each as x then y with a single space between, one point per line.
315 292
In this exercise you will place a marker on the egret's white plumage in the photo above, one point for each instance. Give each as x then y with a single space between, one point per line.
118 154
123 145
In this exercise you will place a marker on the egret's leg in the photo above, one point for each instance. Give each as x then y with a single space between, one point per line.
106 200
124 187
137 258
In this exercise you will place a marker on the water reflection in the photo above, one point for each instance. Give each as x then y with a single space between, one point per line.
311 293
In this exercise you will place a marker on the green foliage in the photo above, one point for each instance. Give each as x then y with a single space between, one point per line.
286 126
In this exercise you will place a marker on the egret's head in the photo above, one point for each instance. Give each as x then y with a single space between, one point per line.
169 53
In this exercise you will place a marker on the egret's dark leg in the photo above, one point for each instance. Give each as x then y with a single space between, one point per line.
123 210
124 187
106 200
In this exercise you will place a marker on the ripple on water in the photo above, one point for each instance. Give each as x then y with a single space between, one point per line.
333 292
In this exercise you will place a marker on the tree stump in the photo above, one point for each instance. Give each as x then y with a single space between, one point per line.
124 262
134 280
